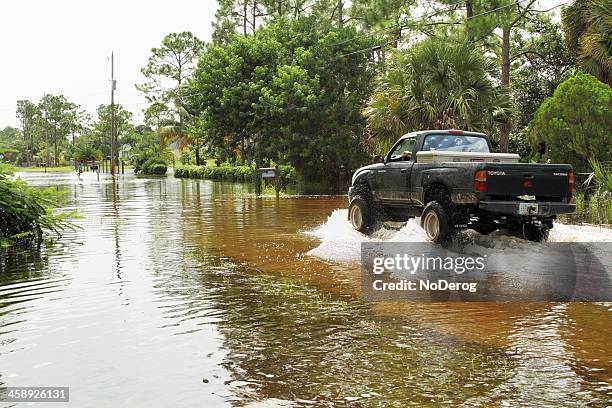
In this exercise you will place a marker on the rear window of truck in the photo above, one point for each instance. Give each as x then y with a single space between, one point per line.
455 143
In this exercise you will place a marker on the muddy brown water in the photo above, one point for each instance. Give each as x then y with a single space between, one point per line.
196 293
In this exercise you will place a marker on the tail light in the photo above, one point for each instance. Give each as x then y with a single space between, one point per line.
570 177
480 180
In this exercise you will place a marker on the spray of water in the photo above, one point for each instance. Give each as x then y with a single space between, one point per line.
340 242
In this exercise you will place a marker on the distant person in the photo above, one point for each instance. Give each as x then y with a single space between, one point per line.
80 169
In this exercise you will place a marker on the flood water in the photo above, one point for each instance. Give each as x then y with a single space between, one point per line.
189 293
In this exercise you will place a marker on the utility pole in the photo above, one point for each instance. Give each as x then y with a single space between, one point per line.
112 106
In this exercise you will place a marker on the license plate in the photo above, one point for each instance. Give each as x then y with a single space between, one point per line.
528 208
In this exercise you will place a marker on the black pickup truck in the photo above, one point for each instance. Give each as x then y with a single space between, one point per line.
452 181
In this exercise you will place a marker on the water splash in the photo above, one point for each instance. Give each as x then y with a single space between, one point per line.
340 242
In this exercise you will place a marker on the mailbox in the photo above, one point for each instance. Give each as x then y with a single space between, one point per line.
272 176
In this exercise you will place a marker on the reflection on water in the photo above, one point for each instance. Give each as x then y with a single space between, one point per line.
190 292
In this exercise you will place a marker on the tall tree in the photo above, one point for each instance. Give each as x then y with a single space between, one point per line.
293 94
512 17
27 112
244 17
434 85
100 137
169 66
167 71
541 64
385 20
59 117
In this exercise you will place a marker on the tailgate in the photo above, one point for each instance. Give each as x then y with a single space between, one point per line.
547 182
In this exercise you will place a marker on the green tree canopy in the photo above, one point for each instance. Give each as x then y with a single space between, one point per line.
168 69
588 30
86 152
27 112
292 94
437 84
575 122
59 119
99 137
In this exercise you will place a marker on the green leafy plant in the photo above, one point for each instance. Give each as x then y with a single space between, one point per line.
151 157
437 84
601 177
575 122
232 173
26 212
86 152
588 32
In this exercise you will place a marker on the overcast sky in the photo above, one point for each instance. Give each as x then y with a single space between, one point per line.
61 47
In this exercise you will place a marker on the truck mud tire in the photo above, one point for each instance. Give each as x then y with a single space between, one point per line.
361 214
536 234
435 221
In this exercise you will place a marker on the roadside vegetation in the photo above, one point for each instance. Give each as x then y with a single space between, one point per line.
26 213
322 86
151 157
575 123
228 172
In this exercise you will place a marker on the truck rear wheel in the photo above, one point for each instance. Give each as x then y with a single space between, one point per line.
360 214
436 222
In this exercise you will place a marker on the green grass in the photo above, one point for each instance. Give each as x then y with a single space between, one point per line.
57 169
596 210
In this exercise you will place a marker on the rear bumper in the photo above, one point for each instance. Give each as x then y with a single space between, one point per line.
545 209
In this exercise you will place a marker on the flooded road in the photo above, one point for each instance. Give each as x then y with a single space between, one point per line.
196 293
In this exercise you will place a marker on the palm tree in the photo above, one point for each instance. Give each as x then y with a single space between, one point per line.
181 133
437 84
588 31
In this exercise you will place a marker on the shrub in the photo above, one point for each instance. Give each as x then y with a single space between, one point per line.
232 173
223 173
151 160
155 168
289 174
25 212
602 178
187 157
575 122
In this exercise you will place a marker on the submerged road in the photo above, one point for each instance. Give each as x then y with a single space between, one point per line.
196 293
